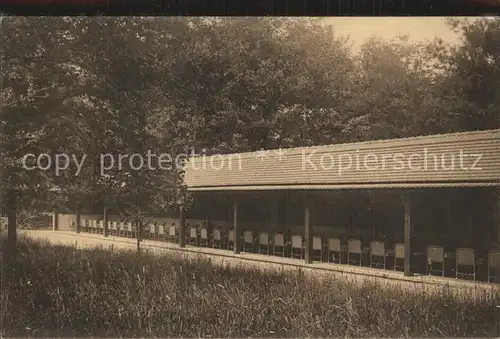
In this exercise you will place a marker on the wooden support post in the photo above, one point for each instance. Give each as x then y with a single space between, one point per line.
449 221
105 222
308 230
157 231
287 214
55 219
138 231
496 196
236 229
78 221
274 221
373 216
407 236
182 233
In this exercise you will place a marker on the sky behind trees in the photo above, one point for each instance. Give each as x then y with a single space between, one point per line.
419 29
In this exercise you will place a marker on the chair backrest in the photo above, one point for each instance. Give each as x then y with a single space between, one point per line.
264 238
129 226
465 256
377 248
317 245
101 223
115 225
399 251
279 239
435 254
296 241
192 232
494 259
122 225
151 228
248 237
231 235
172 231
354 246
334 244
217 234
203 234
161 229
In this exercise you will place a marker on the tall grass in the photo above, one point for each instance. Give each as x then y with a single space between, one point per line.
51 290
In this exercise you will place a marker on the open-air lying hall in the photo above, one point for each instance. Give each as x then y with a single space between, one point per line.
421 205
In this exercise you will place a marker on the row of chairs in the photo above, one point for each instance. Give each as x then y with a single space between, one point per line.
123 228
465 263
264 243
128 229
92 226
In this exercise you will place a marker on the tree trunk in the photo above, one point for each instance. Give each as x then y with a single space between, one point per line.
11 217
138 232
78 225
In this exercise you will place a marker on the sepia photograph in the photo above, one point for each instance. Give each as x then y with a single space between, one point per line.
257 177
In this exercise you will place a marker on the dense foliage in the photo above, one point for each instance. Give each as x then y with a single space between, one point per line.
128 85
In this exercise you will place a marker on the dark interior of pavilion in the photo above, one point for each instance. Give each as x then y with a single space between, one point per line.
448 217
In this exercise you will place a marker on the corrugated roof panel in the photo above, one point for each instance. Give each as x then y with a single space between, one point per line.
467 157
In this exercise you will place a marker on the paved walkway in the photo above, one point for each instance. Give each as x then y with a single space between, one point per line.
224 257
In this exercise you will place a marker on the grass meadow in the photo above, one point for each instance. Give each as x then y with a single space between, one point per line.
57 291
